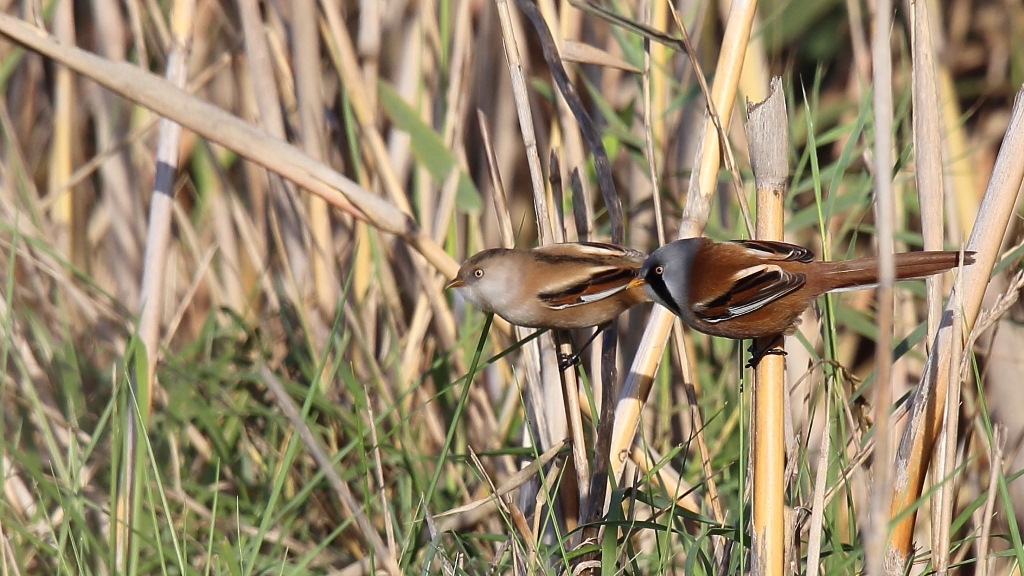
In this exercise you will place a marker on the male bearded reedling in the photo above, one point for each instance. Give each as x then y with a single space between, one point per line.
754 288
566 286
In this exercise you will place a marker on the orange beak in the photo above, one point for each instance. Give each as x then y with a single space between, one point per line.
455 283
636 283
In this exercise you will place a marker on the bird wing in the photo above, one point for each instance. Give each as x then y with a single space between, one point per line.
587 252
778 250
752 289
600 284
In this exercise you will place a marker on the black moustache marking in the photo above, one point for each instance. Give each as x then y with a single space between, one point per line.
657 283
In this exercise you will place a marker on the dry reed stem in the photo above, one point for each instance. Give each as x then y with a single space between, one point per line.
520 94
363 102
929 178
454 126
151 292
875 524
286 218
962 183
592 486
698 203
544 398
963 180
655 98
119 200
501 328
589 132
858 42
927 405
563 130
309 89
928 148
389 529
570 382
720 128
755 76
995 458
944 461
228 130
60 153
583 53
574 409
703 182
646 457
544 422
684 353
564 136
768 136
514 481
658 91
678 489
815 532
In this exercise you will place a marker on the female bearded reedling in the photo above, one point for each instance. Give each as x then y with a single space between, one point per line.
570 285
754 288
564 286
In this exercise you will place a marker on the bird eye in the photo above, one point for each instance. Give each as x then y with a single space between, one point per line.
478 273
659 270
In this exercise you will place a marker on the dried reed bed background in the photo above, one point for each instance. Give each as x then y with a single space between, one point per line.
297 374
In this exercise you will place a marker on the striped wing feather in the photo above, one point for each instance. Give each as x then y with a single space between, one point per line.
750 293
778 250
600 285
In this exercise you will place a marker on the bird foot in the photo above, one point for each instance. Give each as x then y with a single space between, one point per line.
771 349
566 361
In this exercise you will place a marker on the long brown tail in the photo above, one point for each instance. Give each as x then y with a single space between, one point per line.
828 276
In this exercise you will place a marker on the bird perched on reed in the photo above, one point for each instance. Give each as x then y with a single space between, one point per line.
563 286
755 288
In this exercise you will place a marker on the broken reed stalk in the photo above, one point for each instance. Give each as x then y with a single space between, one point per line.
768 135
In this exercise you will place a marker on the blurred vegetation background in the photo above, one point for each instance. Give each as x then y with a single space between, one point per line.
226 373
